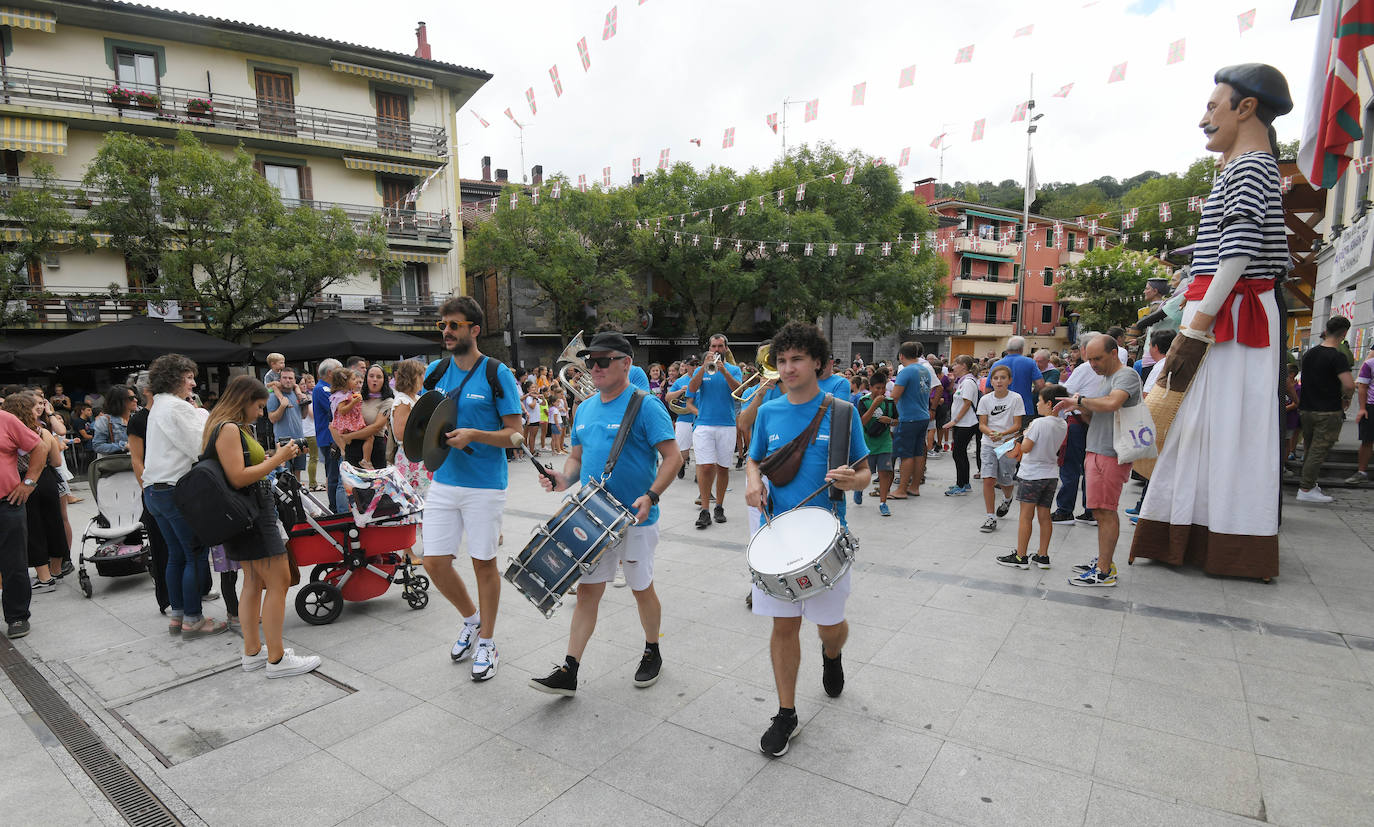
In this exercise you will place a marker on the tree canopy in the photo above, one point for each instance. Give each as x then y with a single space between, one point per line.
41 210
1106 287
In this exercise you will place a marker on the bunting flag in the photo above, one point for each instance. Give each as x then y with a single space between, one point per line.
887 248
939 139
534 196
557 190
964 55
1064 91
812 110
729 139
905 157
529 97
772 121
808 248
801 192
1118 73
608 31
743 205
635 166
696 141
581 183
1332 121
663 159
782 246
480 119
1176 50
908 77
834 249
1165 214
780 196
1246 20
715 245
512 118
696 240
856 98
584 54
514 199
849 176
1024 31
858 249
1285 185
1362 165
1019 113
606 176
557 84
978 129
1195 203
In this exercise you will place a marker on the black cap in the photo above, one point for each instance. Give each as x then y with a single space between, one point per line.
1260 81
607 340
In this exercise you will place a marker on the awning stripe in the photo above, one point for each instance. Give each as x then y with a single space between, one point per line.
30 135
372 165
381 74
1014 220
1001 259
39 21
418 257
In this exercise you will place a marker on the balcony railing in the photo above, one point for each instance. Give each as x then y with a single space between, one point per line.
942 322
1067 257
398 223
968 286
82 93
988 247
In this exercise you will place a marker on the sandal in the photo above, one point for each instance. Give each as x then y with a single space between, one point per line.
897 497
206 627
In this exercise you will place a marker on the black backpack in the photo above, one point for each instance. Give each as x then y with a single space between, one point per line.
215 510
492 366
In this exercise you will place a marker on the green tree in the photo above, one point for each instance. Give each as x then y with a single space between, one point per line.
1173 188
213 232
41 210
1106 287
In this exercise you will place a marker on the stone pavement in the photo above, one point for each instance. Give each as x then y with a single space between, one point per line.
976 694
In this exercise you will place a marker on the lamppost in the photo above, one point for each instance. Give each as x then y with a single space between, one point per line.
1025 210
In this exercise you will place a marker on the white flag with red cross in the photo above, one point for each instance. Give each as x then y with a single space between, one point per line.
1118 73
663 159
856 98
581 183
801 192
964 55
859 249
729 139
782 246
1245 21
1064 91
557 84
608 30
1176 51
978 127
849 176
1165 213
772 121
606 177
887 248
1019 113
834 249
584 54
807 250
908 77
529 97
480 119
904 158
813 108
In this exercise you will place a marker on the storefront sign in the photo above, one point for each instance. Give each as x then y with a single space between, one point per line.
1354 251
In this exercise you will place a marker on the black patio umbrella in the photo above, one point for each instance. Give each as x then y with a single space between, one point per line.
133 341
7 354
337 338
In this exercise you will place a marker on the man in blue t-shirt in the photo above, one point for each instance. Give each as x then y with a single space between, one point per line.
284 410
713 438
1026 378
469 490
911 392
324 438
799 351
682 429
638 480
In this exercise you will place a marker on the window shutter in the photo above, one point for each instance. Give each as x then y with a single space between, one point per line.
422 282
307 190
259 168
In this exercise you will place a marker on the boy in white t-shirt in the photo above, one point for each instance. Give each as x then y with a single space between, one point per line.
999 418
1039 477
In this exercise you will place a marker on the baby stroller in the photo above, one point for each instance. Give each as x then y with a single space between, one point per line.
356 555
121 547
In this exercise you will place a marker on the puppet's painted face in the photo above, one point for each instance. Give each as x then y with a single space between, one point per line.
1220 123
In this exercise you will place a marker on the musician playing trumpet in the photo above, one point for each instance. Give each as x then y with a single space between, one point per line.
713 437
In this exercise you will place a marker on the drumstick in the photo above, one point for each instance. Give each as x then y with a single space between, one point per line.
828 483
518 440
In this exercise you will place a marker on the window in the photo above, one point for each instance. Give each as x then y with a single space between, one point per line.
1092 243
276 96
1049 236
990 312
965 267
1015 273
287 181
10 159
136 70
1047 313
412 286
1014 308
1048 275
985 231
1073 239
1020 234
393 121
966 307
994 268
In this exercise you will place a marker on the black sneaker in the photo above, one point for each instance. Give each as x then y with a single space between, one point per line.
783 729
67 568
559 682
1086 518
647 673
832 674
1015 562
749 601
19 628
1088 566
704 519
1041 560
1062 518
720 513
989 525
1004 507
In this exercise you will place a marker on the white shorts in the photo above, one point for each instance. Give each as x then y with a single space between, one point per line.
634 554
823 609
683 432
714 444
452 511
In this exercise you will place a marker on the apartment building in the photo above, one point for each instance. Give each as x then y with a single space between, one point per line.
327 123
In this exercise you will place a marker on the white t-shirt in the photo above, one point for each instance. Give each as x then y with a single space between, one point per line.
531 409
966 389
556 412
401 398
1001 413
1083 380
1154 374
1042 462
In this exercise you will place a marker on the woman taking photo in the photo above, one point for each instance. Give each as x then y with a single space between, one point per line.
259 550
111 427
47 540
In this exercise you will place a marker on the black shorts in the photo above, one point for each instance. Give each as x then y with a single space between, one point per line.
942 415
1037 492
1367 425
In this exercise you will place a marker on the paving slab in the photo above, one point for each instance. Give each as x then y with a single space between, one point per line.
976 787
783 795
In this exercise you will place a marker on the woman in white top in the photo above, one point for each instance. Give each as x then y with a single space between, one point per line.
963 417
409 377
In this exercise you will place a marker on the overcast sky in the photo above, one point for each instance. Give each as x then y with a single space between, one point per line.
683 69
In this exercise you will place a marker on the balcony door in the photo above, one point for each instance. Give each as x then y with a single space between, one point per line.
393 121
412 287
989 312
136 70
276 102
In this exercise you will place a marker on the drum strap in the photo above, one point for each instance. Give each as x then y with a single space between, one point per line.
840 414
626 424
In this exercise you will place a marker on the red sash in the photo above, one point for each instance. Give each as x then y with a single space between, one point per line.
1252 323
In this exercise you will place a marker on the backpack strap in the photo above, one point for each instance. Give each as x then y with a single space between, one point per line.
626 425
841 411
432 380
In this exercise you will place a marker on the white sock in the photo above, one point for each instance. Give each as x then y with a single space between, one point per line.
474 620
485 641
992 516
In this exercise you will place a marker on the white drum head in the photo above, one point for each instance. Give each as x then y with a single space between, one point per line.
791 539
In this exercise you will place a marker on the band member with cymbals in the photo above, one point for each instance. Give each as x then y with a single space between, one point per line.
713 438
468 492
800 352
635 481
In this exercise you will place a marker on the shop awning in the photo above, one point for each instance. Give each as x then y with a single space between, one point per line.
30 135
371 165
993 216
999 259
381 74
39 21
417 256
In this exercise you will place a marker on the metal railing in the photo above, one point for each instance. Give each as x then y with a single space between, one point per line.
948 322
86 93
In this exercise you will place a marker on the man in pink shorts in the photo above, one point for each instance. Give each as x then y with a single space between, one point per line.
1105 476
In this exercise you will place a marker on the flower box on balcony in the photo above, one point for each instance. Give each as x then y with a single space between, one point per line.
119 96
200 108
147 100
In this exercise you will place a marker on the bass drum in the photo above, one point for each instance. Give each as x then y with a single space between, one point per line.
801 553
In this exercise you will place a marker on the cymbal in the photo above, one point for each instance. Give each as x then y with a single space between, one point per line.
436 447
413 441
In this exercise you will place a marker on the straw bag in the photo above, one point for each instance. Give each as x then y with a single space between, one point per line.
1180 367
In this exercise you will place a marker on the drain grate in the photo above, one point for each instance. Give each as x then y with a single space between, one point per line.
125 790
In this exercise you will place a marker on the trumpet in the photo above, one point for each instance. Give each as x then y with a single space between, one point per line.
678 406
768 371
714 364
580 386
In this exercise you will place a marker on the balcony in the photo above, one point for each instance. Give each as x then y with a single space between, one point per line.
81 94
399 224
983 287
988 247
985 330
941 322
1069 257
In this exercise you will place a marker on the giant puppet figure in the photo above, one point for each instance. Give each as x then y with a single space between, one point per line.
1213 496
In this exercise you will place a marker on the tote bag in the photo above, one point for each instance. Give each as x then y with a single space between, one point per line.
1133 434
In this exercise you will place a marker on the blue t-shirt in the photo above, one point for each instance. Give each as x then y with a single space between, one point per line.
914 403
1023 375
715 405
290 423
778 423
679 384
639 378
319 405
837 384
485 467
595 427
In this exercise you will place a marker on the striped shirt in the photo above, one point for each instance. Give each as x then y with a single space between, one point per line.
1243 216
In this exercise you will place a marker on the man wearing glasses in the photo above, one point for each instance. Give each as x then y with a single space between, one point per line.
469 490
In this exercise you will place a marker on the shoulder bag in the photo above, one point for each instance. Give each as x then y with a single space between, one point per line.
781 466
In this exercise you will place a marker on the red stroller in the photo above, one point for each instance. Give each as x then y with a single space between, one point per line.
356 555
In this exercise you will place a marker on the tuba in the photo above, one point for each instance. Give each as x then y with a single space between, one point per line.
767 371
580 386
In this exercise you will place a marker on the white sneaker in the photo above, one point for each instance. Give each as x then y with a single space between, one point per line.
462 647
292 664
1316 495
484 663
252 663
619 578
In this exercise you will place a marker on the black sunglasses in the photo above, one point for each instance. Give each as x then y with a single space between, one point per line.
603 362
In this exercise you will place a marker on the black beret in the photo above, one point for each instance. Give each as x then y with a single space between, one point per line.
1260 81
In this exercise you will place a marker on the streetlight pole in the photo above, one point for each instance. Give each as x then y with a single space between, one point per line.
1031 117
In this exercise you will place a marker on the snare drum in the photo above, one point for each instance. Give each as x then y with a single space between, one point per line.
801 553
568 546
